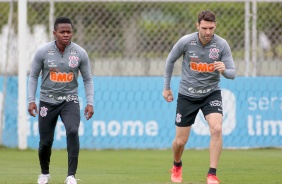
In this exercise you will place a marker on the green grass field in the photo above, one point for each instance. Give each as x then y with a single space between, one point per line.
256 166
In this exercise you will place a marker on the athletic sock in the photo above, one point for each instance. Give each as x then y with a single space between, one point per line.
179 164
212 171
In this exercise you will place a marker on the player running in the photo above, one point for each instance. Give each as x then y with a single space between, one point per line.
205 56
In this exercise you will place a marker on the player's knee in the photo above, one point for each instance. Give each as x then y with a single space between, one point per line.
46 144
180 142
72 132
216 130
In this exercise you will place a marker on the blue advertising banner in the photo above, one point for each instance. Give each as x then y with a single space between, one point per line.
130 112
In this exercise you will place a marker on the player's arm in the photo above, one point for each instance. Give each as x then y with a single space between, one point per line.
36 68
85 70
226 66
175 53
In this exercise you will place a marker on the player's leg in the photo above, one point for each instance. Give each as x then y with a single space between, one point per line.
70 116
215 123
47 120
212 111
186 112
179 142
178 146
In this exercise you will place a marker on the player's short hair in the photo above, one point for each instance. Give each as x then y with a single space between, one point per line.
206 15
61 20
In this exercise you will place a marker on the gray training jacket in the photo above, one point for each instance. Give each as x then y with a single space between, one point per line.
60 73
199 78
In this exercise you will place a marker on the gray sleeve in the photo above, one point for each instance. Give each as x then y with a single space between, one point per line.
36 68
175 53
230 70
85 70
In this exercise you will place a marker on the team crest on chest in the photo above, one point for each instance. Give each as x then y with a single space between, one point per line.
73 61
214 53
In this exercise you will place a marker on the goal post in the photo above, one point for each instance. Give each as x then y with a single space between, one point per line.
22 75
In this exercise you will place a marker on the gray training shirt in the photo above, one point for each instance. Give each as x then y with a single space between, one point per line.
199 78
60 73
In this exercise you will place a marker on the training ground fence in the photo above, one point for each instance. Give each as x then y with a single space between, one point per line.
127 42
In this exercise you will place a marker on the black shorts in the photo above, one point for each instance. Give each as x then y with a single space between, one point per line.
188 108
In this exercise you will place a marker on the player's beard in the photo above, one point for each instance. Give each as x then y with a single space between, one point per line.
208 38
204 39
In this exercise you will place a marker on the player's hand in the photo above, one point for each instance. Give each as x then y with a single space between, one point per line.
88 112
167 94
219 66
32 109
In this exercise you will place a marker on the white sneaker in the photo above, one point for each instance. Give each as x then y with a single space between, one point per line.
71 180
43 178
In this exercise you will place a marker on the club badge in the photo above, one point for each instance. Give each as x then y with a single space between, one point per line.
178 118
214 53
73 61
43 111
